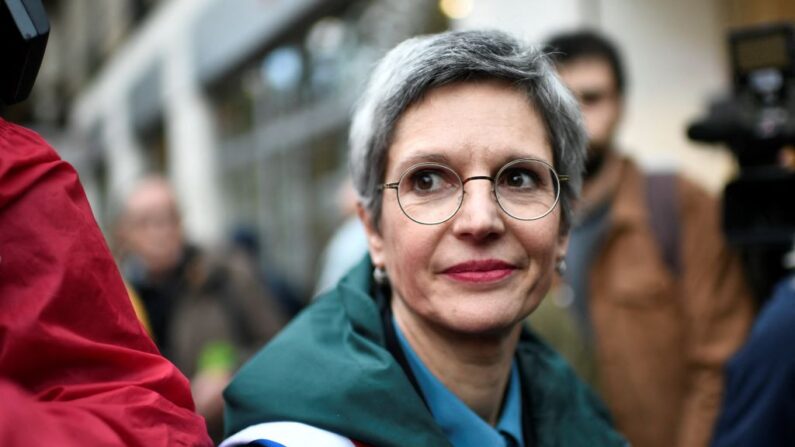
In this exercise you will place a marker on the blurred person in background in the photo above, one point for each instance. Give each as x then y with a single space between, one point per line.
759 402
347 245
207 310
466 153
657 300
245 242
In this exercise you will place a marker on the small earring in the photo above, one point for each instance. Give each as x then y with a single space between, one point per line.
379 276
560 266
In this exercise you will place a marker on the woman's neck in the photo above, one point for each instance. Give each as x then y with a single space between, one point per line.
475 368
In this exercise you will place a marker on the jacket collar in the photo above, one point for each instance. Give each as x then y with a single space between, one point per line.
330 368
619 185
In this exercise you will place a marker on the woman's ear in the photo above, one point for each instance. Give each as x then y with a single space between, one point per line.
374 240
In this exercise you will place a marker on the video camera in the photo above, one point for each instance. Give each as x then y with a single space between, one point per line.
757 121
24 29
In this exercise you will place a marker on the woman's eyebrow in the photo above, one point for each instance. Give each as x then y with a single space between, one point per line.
502 159
422 157
518 154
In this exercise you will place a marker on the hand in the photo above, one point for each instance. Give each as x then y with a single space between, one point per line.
207 387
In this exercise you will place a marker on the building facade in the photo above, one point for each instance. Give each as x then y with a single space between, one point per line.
244 104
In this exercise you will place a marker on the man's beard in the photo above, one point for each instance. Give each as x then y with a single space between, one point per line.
594 161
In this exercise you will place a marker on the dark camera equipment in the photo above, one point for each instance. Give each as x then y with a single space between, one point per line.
24 29
756 121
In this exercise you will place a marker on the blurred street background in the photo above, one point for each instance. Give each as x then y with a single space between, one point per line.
244 105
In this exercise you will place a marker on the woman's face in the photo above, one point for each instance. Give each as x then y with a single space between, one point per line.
481 271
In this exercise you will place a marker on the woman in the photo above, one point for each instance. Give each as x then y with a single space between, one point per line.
454 150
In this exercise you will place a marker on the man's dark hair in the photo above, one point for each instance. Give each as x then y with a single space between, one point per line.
568 47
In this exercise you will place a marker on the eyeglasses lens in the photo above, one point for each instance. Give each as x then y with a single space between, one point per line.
527 189
430 193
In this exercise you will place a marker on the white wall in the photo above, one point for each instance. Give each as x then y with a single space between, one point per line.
531 20
674 53
676 58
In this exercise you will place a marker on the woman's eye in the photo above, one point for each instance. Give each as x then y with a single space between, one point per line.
427 181
519 178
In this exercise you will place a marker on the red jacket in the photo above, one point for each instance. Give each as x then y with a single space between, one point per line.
76 368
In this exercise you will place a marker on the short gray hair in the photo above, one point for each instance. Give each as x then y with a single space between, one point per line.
417 65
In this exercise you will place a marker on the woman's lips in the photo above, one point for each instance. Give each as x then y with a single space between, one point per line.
488 270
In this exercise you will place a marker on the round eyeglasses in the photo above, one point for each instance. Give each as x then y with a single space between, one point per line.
432 193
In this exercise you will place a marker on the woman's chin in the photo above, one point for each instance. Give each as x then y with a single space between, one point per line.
477 322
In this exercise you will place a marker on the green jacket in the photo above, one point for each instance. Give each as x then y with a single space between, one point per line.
330 369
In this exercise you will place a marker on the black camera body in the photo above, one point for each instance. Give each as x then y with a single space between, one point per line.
756 121
24 30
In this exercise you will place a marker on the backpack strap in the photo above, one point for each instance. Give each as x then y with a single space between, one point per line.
661 199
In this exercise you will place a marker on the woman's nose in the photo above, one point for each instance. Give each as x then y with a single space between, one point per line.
480 217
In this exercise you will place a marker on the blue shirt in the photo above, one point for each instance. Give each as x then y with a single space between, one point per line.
759 399
459 423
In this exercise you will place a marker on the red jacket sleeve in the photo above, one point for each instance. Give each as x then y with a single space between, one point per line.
76 368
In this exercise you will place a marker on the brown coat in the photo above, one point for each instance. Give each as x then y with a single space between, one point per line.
220 315
223 301
661 341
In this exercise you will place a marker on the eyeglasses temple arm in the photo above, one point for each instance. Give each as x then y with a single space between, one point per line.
384 186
